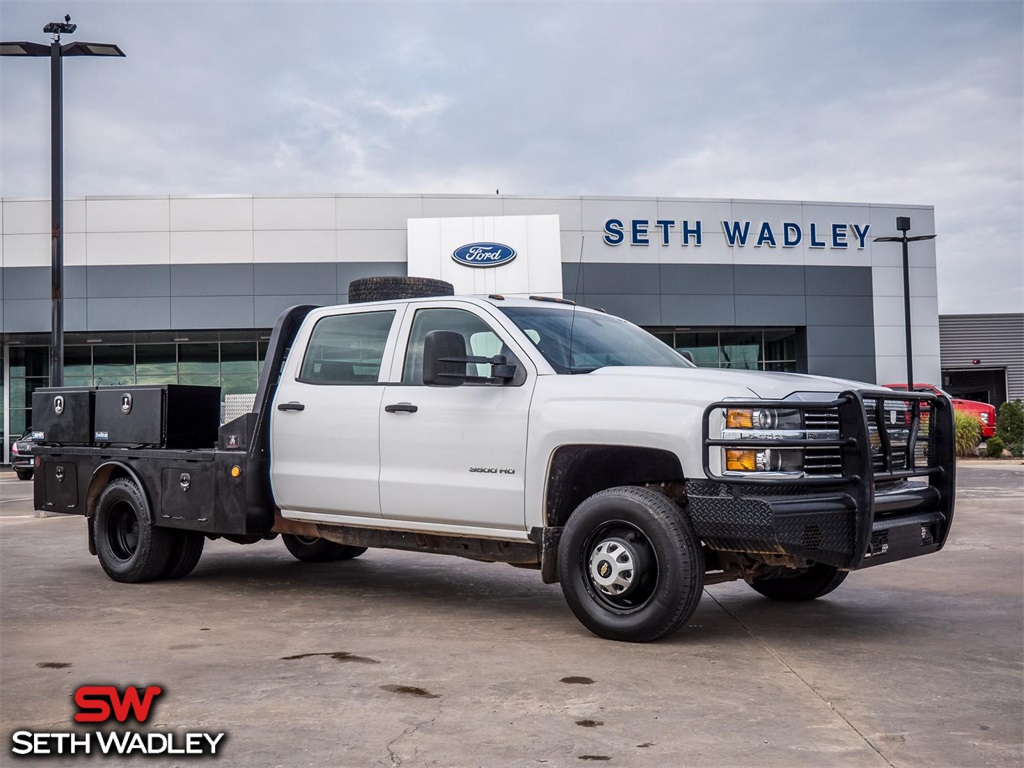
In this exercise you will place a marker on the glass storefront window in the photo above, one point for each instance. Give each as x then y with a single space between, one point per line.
156 364
764 349
19 421
235 384
239 367
113 365
238 358
740 349
77 365
779 345
199 359
29 361
703 347
199 364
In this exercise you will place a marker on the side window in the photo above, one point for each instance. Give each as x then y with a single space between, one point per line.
346 349
480 339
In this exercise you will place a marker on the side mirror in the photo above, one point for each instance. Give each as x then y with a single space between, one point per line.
688 355
442 353
445 360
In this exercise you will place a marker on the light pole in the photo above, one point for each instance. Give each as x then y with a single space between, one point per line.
57 52
903 225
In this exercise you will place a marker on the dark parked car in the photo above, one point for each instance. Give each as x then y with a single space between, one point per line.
21 456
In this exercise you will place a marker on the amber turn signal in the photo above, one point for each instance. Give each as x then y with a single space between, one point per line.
739 419
741 461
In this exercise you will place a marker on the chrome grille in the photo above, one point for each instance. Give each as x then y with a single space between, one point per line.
828 461
822 461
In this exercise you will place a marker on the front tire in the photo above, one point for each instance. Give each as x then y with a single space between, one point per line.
23 474
630 565
801 585
313 549
130 548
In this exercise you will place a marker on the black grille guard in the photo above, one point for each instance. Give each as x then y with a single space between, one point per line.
855 487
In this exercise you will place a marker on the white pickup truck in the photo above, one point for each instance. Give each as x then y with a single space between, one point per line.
525 431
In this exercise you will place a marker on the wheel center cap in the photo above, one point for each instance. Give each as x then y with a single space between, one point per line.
612 567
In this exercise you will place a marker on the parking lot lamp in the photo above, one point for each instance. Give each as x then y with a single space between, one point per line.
57 52
903 225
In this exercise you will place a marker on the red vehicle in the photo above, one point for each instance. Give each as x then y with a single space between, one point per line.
983 412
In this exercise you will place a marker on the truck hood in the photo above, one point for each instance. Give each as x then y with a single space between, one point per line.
733 382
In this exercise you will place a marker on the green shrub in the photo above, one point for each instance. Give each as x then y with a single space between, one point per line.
1010 426
968 433
994 447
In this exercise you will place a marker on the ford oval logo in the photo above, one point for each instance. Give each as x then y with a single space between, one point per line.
484 254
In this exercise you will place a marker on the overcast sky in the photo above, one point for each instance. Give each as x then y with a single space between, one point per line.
889 102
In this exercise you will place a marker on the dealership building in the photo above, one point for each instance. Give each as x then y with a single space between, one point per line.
186 289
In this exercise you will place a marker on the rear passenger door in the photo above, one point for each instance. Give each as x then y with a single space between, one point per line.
325 448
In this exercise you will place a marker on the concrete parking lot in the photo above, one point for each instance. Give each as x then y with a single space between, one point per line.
416 660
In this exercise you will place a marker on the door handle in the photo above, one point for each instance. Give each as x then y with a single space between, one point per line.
291 407
401 407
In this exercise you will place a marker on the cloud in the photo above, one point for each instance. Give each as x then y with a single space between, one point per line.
897 102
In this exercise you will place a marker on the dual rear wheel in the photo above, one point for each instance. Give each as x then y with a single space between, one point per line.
132 550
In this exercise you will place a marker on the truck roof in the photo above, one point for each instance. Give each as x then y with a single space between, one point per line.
493 299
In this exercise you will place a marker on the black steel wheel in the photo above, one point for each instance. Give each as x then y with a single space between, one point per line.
130 548
185 553
388 288
313 549
796 585
630 565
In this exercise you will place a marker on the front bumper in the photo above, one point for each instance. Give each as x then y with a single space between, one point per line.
871 513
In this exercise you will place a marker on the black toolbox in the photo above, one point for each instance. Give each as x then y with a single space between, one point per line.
63 415
158 415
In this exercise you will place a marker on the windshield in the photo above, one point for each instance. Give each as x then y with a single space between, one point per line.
581 342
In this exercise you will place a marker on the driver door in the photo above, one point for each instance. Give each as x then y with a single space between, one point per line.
456 455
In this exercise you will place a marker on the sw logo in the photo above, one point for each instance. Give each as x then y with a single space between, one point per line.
106 703
97 703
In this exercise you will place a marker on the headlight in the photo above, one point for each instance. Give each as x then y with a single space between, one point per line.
984 417
761 424
764 460
757 418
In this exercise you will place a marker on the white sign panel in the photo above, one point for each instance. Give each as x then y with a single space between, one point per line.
510 255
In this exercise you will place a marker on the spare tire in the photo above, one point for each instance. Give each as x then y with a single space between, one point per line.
391 287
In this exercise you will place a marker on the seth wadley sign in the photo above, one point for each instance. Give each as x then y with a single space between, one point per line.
788 234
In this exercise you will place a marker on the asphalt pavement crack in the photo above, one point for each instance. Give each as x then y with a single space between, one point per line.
799 677
393 756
